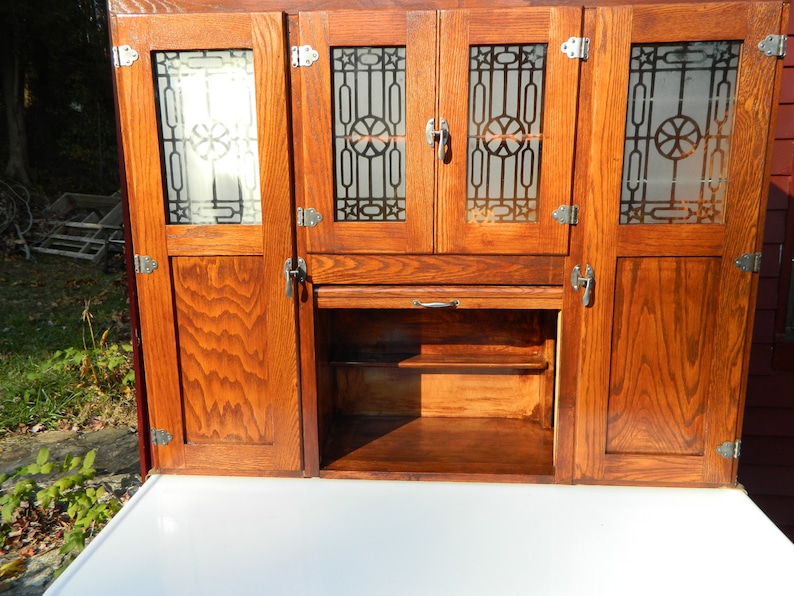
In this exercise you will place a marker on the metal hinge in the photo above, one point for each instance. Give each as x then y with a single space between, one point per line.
304 56
308 217
566 215
576 47
160 436
749 262
124 56
773 46
730 449
144 264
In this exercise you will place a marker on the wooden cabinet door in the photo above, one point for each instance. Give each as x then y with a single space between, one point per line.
204 135
509 96
674 138
365 103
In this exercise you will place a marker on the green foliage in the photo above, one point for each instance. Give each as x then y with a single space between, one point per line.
55 371
64 493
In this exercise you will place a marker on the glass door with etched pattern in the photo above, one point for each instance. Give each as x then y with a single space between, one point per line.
204 126
508 93
679 119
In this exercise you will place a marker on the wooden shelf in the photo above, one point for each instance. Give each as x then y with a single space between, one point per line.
451 361
417 445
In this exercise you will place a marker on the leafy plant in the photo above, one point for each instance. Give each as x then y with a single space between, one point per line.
65 496
72 386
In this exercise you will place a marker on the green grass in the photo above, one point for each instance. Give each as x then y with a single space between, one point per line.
65 357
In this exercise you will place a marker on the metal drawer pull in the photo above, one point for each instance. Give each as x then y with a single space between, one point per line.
450 304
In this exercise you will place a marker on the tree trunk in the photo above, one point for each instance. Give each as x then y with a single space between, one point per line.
13 93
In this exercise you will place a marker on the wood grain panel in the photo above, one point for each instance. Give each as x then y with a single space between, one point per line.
222 349
661 354
670 240
192 240
400 392
697 21
437 269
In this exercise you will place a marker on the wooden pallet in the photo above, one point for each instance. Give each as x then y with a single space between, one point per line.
81 226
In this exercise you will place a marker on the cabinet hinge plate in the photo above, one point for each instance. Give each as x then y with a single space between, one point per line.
773 46
308 217
576 47
304 56
161 437
124 56
144 264
730 449
566 215
749 262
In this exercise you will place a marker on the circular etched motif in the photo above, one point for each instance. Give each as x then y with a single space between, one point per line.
677 137
369 136
503 136
210 141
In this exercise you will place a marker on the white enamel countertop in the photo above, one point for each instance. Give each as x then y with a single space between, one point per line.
224 535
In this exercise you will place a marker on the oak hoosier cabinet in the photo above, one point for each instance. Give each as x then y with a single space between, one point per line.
511 242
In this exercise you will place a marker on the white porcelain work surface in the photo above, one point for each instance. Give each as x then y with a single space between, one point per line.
222 536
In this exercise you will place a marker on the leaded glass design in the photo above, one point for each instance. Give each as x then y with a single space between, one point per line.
506 86
208 136
369 133
678 126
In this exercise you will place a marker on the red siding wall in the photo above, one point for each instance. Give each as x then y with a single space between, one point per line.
766 466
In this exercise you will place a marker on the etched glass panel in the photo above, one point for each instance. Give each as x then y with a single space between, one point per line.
678 126
505 133
208 136
369 133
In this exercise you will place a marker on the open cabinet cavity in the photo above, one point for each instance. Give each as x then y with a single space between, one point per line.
436 391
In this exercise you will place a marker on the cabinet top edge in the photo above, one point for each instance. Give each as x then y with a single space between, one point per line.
145 7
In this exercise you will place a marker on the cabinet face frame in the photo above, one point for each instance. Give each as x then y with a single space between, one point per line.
221 284
621 254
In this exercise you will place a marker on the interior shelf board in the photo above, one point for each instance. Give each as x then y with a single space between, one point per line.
459 361
439 446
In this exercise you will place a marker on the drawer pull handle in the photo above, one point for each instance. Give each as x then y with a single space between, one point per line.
450 304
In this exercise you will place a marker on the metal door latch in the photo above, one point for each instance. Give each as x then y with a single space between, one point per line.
442 134
588 282
298 274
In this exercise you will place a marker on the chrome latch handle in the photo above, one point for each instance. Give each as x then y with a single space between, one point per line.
299 274
442 134
588 282
450 304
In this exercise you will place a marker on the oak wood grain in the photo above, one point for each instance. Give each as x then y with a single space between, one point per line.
439 445
662 342
435 269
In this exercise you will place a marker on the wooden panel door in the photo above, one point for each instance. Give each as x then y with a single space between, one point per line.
365 103
673 143
509 95
204 135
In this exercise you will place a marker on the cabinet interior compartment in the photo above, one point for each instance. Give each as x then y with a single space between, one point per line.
436 391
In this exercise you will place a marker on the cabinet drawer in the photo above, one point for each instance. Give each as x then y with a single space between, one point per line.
460 297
